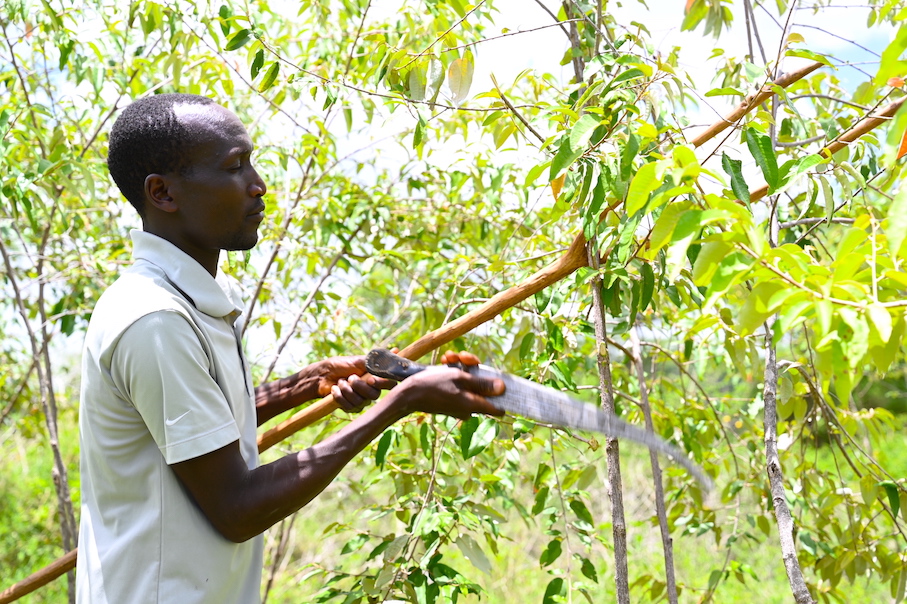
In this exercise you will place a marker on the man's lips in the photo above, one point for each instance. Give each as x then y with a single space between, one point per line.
258 212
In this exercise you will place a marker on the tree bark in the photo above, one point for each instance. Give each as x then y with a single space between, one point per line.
667 543
612 448
776 476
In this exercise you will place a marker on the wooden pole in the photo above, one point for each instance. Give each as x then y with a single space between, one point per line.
751 101
44 576
574 258
868 123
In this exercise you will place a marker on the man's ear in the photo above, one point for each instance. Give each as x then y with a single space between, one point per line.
157 192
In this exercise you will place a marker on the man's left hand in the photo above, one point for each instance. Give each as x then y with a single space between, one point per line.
346 380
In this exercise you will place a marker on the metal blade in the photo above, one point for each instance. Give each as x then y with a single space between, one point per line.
550 406
543 404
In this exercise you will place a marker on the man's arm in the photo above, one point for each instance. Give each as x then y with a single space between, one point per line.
242 503
339 376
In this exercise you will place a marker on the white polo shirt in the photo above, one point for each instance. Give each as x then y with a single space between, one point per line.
164 379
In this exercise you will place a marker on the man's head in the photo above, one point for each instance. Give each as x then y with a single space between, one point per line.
185 163
150 138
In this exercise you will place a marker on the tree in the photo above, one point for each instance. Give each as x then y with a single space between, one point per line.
745 323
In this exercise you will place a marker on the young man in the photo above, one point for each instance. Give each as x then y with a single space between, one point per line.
173 498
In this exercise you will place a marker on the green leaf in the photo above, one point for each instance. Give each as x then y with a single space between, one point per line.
868 489
476 434
257 63
435 79
647 179
383 445
734 169
897 221
880 319
270 77
554 592
583 515
724 92
664 227
808 54
551 553
648 285
573 146
541 497
419 133
418 80
588 569
582 130
709 259
238 40
891 489
459 77
565 156
630 74
756 309
473 552
760 147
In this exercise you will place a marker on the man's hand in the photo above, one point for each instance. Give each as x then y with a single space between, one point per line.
342 377
450 391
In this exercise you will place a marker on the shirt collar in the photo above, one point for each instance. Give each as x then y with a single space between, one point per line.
213 296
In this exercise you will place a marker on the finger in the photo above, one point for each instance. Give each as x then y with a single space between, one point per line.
467 358
346 398
483 405
363 388
380 383
483 386
452 358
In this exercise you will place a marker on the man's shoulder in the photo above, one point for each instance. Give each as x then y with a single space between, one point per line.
140 290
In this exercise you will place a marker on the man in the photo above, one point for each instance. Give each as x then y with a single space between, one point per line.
173 498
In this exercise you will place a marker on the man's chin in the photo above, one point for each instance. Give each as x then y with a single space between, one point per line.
242 245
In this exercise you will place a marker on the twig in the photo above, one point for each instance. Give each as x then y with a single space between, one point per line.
515 112
507 34
830 98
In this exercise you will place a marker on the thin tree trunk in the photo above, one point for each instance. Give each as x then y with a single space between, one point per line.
40 354
612 449
667 543
773 461
776 476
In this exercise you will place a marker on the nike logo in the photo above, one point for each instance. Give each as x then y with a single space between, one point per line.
170 422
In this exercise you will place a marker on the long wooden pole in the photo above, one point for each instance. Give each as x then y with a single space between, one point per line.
751 101
868 123
574 258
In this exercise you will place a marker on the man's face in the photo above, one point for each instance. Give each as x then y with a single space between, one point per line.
220 194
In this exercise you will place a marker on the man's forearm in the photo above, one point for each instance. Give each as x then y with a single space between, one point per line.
275 397
270 493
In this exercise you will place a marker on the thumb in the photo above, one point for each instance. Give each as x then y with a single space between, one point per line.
485 386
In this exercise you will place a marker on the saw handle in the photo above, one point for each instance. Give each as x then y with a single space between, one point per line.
385 364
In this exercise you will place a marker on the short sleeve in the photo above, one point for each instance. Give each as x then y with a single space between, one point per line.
161 367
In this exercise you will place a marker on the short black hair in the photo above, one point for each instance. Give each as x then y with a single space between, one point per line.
148 138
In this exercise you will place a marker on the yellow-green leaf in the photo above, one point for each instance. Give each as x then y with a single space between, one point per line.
459 77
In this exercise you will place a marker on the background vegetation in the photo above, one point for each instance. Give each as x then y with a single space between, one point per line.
762 334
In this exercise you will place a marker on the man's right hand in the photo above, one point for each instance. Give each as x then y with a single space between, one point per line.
448 391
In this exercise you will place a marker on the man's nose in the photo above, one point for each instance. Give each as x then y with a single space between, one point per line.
258 187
